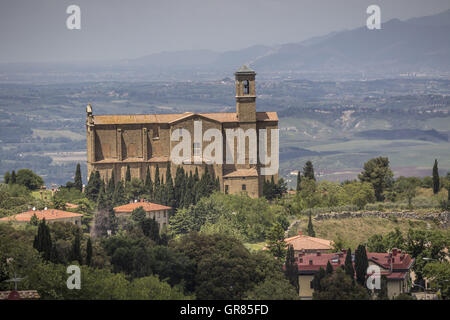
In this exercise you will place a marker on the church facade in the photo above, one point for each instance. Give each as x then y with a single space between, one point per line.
144 142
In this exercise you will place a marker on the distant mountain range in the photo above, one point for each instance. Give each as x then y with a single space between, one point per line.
415 45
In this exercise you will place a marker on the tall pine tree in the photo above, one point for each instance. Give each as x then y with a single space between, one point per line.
308 171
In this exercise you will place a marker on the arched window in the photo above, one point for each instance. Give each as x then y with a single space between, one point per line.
246 87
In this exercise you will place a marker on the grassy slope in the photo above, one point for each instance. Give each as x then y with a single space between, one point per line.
355 231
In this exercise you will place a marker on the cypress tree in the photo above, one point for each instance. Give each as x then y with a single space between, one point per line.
13 178
112 221
361 264
119 195
349 270
329 269
128 174
78 182
76 248
291 267
196 176
299 181
43 241
318 276
157 179
311 231
6 177
102 199
170 192
111 185
148 183
308 171
436 184
89 252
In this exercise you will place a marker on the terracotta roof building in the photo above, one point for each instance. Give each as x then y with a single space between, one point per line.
50 215
396 266
157 211
144 142
307 244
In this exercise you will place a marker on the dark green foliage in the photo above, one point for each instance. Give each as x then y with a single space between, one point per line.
272 190
148 184
377 172
329 268
78 182
338 286
93 187
311 231
128 174
27 178
6 177
308 171
119 195
436 182
169 188
361 264
316 281
349 270
75 254
275 241
43 240
291 268
13 179
299 181
89 252
34 221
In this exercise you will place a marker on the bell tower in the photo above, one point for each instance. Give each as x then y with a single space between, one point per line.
245 94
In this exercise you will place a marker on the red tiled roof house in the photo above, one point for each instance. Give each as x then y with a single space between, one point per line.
50 215
396 266
157 211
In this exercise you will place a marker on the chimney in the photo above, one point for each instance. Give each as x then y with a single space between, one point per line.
310 262
394 251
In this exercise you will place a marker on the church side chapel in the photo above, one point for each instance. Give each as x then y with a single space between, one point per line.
143 142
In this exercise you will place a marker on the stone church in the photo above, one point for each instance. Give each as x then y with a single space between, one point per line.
144 142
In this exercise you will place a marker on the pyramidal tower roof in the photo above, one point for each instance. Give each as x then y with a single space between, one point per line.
245 70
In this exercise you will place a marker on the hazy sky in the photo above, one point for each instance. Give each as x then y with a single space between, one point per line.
35 30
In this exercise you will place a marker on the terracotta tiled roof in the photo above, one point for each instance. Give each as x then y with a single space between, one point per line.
49 214
242 173
71 205
24 294
301 242
168 118
147 206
